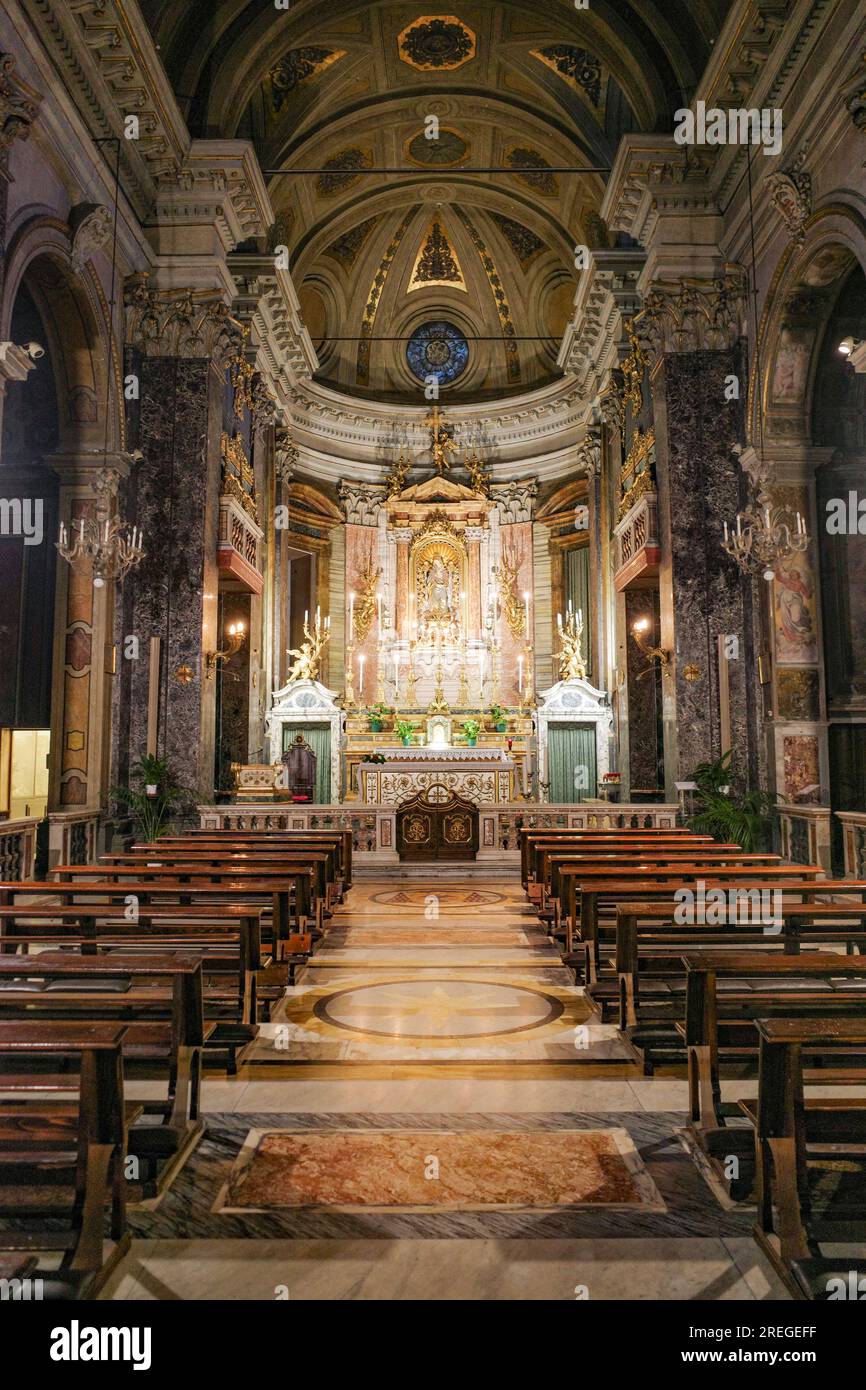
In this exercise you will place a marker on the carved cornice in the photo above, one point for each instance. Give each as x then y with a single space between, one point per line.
19 104
112 70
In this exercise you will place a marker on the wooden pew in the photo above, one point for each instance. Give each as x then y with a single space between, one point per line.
650 946
788 1124
228 940
287 893
630 861
221 862
528 834
604 842
594 886
724 1024
293 838
76 1147
164 1029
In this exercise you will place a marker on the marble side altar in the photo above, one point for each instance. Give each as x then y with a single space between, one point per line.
482 775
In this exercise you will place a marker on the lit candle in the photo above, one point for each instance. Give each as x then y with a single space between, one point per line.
559 621
520 674
318 617
361 659
739 524
569 607
306 617
725 524
580 617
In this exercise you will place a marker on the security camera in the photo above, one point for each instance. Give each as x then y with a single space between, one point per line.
34 351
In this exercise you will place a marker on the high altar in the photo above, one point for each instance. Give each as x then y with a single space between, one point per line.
437 656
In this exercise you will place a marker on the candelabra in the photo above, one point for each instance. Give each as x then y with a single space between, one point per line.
570 656
463 683
411 695
349 694
307 657
110 545
763 533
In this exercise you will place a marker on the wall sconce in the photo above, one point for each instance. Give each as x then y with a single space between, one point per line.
236 635
639 632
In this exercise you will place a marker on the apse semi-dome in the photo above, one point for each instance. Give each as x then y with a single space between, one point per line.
437 349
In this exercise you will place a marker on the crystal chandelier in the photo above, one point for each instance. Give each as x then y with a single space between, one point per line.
764 533
110 545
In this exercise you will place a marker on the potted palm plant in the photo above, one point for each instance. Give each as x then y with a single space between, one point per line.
730 815
377 715
499 717
153 796
470 728
404 729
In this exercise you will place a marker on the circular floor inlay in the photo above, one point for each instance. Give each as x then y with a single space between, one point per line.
448 897
441 1008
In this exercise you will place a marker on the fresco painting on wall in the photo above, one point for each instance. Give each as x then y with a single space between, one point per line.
798 694
792 365
795 596
802 768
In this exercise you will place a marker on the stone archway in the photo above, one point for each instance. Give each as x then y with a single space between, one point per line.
66 306
805 609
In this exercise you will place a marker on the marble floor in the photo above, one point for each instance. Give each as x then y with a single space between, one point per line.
435 1037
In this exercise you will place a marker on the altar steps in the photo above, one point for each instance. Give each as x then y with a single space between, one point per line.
506 865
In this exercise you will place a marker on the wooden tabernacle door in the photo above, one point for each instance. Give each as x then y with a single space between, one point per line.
437 824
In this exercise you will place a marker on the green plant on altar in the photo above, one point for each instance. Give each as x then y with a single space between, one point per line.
730 815
377 714
153 796
499 717
404 729
471 728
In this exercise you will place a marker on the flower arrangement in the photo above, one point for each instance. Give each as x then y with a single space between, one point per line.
612 779
471 728
377 714
404 729
499 717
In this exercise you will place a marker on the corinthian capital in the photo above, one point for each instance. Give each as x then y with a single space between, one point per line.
694 315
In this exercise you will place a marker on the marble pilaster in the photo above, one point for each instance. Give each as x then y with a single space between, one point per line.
173 594
703 594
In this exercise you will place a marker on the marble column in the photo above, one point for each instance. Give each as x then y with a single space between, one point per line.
473 536
402 535
174 498
703 593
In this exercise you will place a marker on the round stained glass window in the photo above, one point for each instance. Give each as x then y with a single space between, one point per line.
437 349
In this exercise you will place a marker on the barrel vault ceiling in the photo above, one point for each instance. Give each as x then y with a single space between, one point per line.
345 90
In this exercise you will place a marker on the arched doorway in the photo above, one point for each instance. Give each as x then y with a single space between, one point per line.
55 686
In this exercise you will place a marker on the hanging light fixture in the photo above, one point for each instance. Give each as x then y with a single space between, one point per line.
764 533
108 544
105 541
